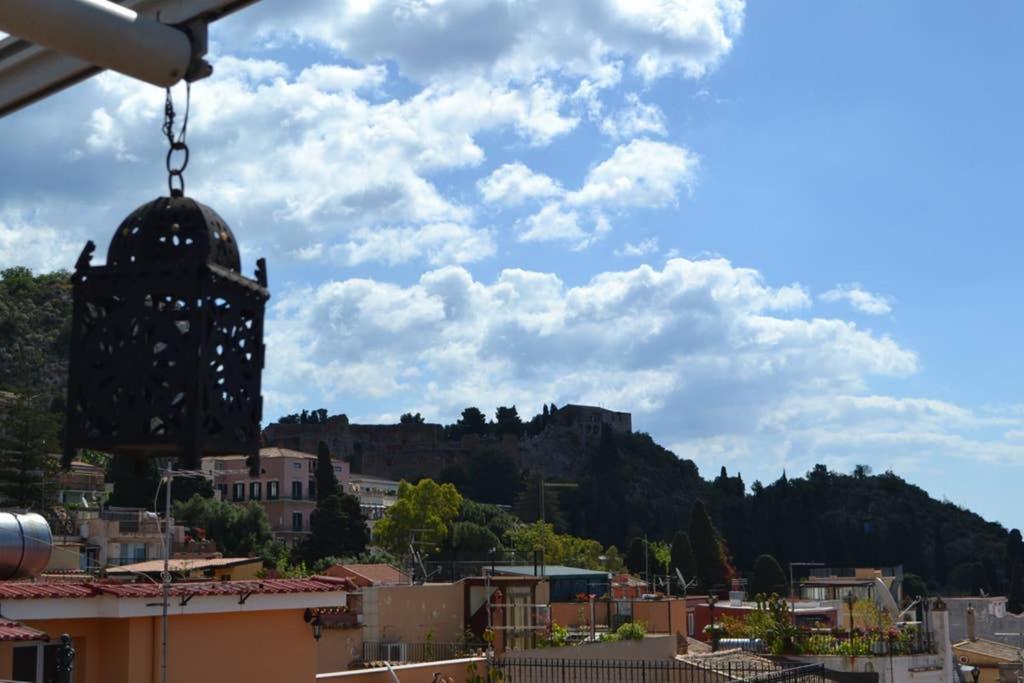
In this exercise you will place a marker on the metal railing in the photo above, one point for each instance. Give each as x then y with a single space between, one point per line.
399 651
515 670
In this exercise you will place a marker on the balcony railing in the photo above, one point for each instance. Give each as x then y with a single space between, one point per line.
537 670
417 652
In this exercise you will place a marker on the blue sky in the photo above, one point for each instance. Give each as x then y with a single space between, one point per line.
779 234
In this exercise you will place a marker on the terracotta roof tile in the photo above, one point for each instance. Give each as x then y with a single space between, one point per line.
13 631
34 590
29 590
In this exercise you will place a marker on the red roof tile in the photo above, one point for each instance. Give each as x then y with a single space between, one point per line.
12 630
27 590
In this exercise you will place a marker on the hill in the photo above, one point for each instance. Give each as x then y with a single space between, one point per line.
628 485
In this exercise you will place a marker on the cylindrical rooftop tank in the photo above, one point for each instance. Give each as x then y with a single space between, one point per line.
25 545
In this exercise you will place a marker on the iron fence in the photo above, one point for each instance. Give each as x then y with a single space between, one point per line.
399 651
536 670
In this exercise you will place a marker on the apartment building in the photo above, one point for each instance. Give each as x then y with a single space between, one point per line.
285 486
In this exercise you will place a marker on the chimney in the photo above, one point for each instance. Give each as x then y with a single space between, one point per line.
971 634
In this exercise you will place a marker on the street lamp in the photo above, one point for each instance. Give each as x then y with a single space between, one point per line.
849 600
165 577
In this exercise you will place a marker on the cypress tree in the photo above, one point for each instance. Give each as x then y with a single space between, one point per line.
336 529
768 577
326 482
682 556
712 568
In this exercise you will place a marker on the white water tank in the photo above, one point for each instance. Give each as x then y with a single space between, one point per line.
25 545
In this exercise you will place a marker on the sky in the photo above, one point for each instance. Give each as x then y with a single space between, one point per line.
778 234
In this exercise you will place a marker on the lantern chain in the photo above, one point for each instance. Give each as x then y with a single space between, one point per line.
175 173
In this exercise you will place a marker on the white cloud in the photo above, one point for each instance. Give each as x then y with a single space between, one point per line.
430 40
641 173
552 223
858 297
436 243
635 118
29 241
643 248
697 349
512 184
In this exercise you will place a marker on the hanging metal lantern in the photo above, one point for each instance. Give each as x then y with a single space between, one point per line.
167 340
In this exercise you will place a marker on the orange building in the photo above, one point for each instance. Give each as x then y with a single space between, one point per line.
218 631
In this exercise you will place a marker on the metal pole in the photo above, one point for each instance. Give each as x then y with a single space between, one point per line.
647 568
543 531
166 578
104 34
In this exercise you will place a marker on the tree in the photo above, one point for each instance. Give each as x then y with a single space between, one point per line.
682 556
490 476
28 435
473 421
326 482
423 511
566 549
410 419
507 421
708 551
238 530
336 529
913 587
768 577
470 540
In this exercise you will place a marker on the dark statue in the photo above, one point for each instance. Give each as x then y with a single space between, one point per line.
65 659
167 340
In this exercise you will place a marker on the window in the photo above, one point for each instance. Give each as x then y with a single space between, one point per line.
312 489
35 663
690 624
255 490
271 490
296 465
238 491
296 490
132 553
223 489
296 521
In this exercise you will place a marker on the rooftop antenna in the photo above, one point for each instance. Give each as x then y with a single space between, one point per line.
684 583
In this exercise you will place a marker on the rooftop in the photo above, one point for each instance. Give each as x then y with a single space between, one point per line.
377 574
183 564
13 631
548 570
41 590
990 648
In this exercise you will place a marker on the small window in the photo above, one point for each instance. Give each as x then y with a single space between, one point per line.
296 490
312 489
296 465
296 521
255 490
238 491
271 490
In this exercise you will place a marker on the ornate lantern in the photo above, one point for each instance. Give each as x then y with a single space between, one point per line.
167 340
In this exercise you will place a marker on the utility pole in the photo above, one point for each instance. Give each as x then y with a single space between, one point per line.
165 578
543 524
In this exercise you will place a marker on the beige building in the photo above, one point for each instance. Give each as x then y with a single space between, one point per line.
285 487
375 495
248 631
